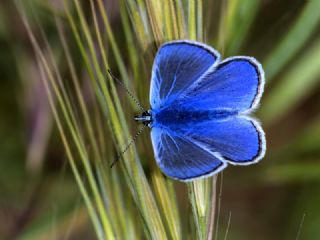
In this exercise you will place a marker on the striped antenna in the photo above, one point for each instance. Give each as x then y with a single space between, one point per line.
127 147
141 108
127 90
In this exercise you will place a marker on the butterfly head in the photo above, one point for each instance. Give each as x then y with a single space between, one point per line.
145 118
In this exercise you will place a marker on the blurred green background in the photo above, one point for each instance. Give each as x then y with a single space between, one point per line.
279 198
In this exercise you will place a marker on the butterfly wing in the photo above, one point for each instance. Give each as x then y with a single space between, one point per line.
183 159
239 139
237 83
189 75
176 67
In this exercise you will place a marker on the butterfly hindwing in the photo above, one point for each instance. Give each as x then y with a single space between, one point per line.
182 159
238 139
178 65
237 83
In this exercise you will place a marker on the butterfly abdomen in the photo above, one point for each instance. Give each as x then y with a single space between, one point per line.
182 116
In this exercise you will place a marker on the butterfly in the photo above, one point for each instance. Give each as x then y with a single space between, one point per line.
200 106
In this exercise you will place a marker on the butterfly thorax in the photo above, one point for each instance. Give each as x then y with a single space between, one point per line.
187 116
145 118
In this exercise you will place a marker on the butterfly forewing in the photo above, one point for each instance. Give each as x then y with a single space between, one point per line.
178 65
237 83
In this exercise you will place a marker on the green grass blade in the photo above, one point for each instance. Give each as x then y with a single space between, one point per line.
200 20
181 23
46 72
167 201
138 184
192 27
308 140
112 41
307 171
232 34
200 198
138 18
294 40
296 84
242 12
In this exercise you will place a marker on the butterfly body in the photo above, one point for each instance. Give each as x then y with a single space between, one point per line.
200 110
179 117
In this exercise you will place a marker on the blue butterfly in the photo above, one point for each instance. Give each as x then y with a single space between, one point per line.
199 110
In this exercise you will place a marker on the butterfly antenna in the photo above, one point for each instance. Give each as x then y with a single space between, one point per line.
127 147
127 90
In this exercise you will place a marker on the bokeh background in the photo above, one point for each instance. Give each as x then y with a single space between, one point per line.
275 199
